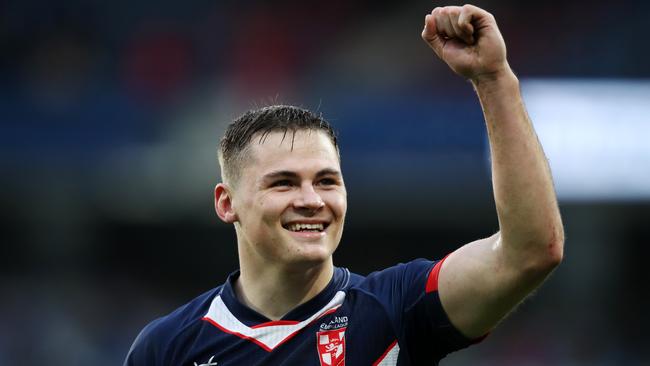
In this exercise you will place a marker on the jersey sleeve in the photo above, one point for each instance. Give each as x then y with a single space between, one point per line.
161 338
409 294
145 348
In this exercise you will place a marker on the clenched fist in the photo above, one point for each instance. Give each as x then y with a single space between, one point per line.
468 40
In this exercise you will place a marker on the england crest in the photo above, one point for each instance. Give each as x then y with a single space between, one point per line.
331 347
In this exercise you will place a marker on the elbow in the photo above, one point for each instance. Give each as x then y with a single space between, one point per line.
543 254
553 251
538 266
556 245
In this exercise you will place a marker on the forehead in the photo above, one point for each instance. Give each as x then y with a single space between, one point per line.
293 150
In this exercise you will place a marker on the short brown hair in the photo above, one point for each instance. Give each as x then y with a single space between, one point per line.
284 118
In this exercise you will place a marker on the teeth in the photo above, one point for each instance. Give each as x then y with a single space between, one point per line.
301 227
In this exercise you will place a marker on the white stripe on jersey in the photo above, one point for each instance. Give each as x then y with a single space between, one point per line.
270 336
390 359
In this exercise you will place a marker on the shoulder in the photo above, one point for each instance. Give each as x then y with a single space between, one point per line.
185 315
395 287
416 270
158 336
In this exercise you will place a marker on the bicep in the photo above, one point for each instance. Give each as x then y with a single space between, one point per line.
478 286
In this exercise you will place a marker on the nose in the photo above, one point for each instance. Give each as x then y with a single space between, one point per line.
308 198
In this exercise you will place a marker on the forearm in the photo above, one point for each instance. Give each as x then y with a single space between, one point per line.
529 218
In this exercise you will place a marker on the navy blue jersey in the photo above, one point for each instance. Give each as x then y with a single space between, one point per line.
391 317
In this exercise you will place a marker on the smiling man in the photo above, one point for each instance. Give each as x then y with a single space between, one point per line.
284 192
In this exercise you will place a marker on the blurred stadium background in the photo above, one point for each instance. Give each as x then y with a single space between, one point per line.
111 111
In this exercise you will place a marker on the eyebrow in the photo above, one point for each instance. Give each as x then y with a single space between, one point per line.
291 174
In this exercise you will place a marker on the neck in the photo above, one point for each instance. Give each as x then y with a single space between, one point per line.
273 292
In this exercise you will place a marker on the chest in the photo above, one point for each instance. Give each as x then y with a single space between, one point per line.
356 333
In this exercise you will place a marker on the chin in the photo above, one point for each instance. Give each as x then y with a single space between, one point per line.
311 257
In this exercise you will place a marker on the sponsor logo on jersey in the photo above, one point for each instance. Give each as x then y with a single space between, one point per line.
331 347
209 363
336 323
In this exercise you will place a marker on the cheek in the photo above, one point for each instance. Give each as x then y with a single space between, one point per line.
270 207
337 201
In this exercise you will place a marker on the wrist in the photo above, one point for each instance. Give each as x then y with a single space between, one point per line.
501 78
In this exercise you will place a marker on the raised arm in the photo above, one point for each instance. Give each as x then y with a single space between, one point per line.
484 280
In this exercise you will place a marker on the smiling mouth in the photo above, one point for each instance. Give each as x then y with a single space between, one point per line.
310 228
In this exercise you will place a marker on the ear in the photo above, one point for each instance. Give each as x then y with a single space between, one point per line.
223 204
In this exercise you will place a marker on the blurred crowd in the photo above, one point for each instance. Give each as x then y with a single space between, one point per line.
110 113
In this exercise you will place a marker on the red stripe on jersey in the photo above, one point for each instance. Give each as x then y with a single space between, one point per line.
223 329
432 281
282 322
277 322
381 358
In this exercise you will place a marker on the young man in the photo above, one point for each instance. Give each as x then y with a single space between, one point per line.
284 193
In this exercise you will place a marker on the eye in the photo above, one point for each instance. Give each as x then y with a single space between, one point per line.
282 183
327 182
